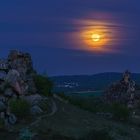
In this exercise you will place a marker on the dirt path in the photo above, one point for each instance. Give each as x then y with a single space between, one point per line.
53 111
71 121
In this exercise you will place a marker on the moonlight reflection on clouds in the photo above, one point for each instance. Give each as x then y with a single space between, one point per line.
98 35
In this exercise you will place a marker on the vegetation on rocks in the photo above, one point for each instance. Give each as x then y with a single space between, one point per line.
21 88
120 112
43 85
20 107
117 111
93 104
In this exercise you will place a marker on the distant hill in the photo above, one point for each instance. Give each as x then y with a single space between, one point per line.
88 82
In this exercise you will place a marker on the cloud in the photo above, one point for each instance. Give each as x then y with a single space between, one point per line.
53 22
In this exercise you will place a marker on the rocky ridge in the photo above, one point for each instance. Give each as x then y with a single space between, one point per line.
122 91
16 82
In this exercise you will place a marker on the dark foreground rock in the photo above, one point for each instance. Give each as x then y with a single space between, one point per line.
17 82
123 91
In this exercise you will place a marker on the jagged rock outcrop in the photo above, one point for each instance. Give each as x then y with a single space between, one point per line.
122 91
16 81
18 71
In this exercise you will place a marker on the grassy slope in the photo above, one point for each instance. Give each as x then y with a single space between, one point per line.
72 121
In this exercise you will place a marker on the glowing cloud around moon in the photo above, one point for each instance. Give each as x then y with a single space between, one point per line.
97 35
96 38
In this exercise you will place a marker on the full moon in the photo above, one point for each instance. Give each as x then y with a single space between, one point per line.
95 37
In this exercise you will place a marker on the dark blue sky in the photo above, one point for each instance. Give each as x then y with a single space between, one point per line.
50 31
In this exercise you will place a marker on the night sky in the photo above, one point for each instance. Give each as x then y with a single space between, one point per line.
52 31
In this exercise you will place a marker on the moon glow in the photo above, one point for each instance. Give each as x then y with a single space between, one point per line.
99 36
95 37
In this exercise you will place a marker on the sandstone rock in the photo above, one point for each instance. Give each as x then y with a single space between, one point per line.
20 61
3 86
122 91
33 99
8 92
2 106
31 87
3 64
3 99
17 81
2 115
12 76
2 75
20 72
36 110
12 119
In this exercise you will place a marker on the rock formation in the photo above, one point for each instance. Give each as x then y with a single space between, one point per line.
16 81
122 91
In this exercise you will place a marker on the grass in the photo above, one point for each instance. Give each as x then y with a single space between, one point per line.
119 112
20 107
93 104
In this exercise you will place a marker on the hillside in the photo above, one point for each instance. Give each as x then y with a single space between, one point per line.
72 122
28 109
88 82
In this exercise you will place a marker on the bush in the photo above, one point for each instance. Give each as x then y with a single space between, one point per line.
20 107
120 112
43 85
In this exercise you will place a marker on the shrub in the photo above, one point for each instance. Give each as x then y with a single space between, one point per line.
120 112
43 85
20 107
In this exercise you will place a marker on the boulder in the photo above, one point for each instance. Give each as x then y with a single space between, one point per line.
2 106
8 92
3 64
12 119
36 110
20 72
2 75
33 99
122 91
20 61
2 115
12 77
17 81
